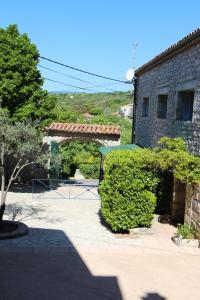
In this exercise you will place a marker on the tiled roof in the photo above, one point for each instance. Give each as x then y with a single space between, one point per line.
188 40
84 128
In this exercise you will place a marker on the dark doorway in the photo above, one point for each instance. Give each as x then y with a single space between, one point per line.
165 194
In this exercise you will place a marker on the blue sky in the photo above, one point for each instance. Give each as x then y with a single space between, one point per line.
98 36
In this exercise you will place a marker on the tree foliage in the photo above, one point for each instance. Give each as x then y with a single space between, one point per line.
20 80
172 156
23 145
83 155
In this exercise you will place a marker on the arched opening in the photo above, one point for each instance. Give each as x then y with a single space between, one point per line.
80 158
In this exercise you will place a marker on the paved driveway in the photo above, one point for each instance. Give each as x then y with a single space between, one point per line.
69 254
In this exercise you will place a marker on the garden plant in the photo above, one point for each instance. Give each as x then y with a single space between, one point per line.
128 191
20 146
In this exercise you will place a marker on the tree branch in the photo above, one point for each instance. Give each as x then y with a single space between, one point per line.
13 177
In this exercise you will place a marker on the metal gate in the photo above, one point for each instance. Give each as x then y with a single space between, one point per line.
65 189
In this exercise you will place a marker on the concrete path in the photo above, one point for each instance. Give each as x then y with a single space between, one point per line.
78 175
69 254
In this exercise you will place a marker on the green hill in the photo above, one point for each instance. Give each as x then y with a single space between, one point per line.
106 102
102 107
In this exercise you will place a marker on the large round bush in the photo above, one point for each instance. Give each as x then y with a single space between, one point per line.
127 191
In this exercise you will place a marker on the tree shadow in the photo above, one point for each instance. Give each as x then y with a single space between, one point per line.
45 265
153 296
24 212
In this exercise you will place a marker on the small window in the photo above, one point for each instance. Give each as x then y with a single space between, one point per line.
145 107
162 106
184 108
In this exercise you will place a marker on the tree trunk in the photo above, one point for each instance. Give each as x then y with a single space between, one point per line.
3 196
2 209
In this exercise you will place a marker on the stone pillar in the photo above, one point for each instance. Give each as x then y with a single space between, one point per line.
178 202
192 206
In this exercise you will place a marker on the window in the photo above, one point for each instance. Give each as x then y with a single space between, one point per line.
145 107
184 108
162 106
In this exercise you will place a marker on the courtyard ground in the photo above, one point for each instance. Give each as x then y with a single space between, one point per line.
68 254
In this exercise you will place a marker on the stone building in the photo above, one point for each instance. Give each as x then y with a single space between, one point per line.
126 111
167 95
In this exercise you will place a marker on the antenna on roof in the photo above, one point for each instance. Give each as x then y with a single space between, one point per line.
135 45
131 72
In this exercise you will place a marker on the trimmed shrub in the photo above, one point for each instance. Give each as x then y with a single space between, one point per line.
127 191
90 169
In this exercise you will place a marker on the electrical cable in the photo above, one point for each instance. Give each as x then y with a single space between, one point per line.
69 76
74 86
83 71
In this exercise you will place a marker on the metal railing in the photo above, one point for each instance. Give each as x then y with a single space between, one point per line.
65 189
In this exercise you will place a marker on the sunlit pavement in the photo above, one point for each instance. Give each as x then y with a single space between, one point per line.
69 254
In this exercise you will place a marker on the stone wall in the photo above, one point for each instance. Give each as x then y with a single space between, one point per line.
105 140
184 197
193 201
180 72
178 202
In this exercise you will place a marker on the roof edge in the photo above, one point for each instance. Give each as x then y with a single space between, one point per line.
186 42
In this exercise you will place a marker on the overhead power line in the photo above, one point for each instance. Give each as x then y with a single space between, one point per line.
76 78
74 86
69 76
83 71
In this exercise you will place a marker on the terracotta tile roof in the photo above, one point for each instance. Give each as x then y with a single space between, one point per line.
84 128
185 42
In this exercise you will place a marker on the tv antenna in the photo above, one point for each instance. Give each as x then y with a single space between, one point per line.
130 75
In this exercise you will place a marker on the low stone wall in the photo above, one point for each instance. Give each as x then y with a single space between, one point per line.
192 206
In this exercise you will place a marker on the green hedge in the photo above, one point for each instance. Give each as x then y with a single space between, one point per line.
90 168
127 191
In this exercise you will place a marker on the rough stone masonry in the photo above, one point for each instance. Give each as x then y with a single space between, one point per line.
167 95
167 103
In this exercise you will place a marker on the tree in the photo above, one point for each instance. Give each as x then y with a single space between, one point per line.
20 142
20 80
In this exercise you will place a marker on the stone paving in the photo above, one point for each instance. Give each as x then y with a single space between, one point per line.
78 219
69 255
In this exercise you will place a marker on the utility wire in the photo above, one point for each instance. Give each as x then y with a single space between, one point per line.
76 78
69 76
74 86
58 72
83 71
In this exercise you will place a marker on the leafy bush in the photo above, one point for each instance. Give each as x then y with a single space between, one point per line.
90 169
127 191
80 154
131 177
185 231
173 157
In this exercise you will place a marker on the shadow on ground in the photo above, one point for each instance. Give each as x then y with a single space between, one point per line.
45 265
24 212
153 296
